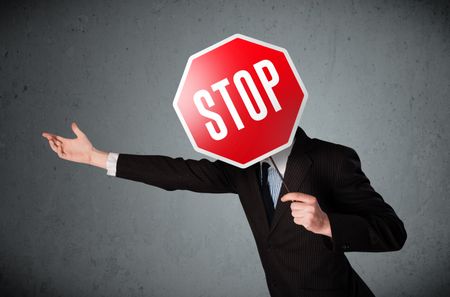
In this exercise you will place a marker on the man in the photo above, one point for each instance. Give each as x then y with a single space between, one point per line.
301 244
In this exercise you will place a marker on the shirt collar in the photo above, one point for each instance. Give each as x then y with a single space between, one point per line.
280 159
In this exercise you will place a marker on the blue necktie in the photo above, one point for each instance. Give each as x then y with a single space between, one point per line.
265 191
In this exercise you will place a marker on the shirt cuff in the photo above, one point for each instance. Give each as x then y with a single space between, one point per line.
111 163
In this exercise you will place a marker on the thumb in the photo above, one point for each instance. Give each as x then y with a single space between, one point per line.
297 196
77 130
288 197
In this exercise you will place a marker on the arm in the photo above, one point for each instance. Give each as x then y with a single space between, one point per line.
161 171
363 221
175 173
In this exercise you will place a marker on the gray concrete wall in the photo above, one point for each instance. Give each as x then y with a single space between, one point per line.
378 76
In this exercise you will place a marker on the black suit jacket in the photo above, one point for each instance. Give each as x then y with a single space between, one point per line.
296 262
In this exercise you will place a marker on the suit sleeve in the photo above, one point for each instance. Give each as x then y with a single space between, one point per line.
176 173
363 221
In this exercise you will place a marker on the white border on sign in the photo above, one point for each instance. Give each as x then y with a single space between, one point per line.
212 47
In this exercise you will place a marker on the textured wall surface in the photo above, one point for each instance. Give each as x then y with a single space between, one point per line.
377 73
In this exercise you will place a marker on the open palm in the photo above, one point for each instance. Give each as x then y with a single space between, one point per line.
78 149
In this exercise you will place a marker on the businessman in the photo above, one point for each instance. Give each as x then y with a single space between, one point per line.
302 235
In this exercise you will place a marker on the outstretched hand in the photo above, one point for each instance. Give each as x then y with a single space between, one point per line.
78 149
306 212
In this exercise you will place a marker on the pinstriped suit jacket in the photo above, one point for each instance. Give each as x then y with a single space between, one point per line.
296 262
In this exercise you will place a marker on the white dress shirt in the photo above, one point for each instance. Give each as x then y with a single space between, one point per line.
111 164
274 179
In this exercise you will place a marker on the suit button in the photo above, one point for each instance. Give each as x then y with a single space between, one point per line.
274 284
269 247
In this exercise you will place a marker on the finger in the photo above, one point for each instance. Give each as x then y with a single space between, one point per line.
305 221
53 146
300 213
48 135
302 206
54 137
298 221
300 197
301 222
57 149
77 130
60 138
57 142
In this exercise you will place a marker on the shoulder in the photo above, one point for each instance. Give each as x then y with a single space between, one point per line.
330 151
332 160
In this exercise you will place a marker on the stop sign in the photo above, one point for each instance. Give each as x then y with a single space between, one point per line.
240 100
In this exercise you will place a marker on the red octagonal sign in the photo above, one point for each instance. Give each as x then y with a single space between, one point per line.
240 100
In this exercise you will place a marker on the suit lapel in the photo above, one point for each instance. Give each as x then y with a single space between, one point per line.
297 167
257 206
